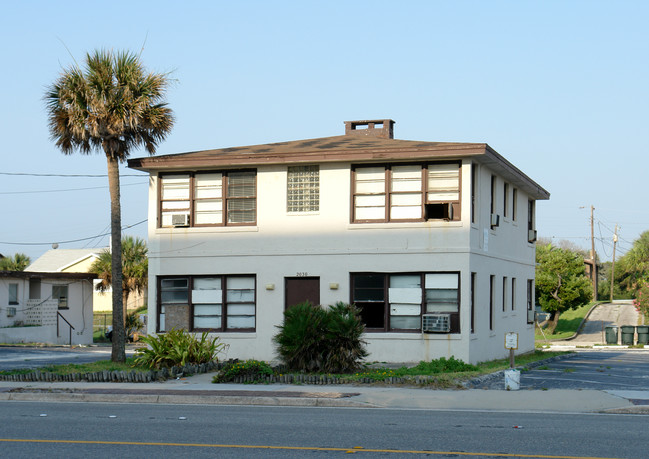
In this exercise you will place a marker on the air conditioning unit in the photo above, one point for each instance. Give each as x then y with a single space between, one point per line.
531 315
531 235
180 219
495 220
11 312
436 323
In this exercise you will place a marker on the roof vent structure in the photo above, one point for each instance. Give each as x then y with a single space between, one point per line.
383 129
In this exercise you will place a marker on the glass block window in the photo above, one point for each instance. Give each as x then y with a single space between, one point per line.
303 189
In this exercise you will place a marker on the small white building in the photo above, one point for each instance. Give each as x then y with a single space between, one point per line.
51 308
434 242
80 261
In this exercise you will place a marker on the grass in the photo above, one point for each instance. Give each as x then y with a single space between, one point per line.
446 373
568 324
92 367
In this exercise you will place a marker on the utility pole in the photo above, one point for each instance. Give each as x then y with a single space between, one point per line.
593 255
613 263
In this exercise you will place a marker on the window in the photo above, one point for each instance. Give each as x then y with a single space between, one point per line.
514 204
216 303
13 293
531 233
513 293
473 276
504 294
493 194
411 192
492 288
396 302
506 200
60 292
530 301
474 185
208 199
303 189
34 289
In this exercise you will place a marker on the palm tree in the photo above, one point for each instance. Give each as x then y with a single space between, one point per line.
16 263
112 105
135 269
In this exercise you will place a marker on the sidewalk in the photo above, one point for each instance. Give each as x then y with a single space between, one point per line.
199 389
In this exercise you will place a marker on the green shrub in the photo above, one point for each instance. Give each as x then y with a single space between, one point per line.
316 339
252 368
443 365
177 348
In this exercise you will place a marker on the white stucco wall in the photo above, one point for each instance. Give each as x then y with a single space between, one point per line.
325 244
79 313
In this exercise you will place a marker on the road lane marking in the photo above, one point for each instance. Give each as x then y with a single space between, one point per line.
355 449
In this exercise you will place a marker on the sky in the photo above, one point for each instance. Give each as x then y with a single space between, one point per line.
559 88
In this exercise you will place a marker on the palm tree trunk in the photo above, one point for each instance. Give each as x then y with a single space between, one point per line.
119 339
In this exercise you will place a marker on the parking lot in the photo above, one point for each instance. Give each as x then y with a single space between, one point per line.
588 369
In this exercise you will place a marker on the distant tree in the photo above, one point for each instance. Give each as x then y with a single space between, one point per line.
561 281
632 269
16 263
113 105
135 269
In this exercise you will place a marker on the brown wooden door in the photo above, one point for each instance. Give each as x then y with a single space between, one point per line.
300 289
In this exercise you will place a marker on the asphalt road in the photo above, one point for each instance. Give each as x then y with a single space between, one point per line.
12 358
49 430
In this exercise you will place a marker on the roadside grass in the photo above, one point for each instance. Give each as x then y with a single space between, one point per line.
567 326
91 367
448 373
444 373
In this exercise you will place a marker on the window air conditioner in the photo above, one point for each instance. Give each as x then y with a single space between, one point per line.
180 219
531 235
11 312
495 220
531 315
436 323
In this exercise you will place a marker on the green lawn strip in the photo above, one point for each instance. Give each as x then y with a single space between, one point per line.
91 367
446 373
568 324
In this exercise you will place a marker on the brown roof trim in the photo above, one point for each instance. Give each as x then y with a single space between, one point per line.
41 275
346 148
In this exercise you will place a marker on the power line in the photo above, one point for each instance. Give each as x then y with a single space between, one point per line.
28 174
67 189
72 240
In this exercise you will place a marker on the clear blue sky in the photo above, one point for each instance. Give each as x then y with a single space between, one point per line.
560 88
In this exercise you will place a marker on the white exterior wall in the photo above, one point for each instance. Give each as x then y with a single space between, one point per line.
79 313
325 244
503 251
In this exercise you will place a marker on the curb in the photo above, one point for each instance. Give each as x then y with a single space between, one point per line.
188 399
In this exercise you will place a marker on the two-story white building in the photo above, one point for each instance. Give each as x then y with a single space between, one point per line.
434 242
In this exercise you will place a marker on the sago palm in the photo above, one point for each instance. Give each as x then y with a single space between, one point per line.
112 105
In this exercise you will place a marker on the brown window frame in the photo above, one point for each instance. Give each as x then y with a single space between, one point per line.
225 199
530 299
492 293
472 299
385 303
455 205
224 303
